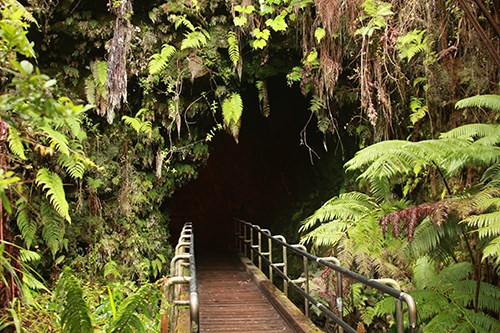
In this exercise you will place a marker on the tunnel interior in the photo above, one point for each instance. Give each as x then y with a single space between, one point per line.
261 178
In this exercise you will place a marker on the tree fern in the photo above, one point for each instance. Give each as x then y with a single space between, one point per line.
52 183
232 109
26 224
347 206
75 315
195 39
159 61
233 49
15 144
127 319
480 101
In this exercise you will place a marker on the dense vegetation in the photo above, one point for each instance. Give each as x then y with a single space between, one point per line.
106 109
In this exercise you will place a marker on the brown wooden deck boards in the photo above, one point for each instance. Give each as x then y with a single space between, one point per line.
230 301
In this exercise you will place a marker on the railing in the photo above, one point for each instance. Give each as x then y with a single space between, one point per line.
249 239
184 260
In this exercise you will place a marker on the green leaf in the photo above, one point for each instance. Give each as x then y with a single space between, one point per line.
259 44
194 39
277 24
53 184
15 143
319 34
240 21
233 50
232 109
159 61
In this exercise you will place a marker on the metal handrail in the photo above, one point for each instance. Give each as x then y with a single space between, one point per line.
245 240
184 257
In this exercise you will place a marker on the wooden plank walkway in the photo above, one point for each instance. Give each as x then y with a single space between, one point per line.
230 301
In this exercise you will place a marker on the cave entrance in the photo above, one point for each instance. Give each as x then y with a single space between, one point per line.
257 179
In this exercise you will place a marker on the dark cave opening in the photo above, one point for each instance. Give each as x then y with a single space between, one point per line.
261 178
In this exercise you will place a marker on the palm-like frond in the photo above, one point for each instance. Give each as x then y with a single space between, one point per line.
127 319
75 316
346 207
232 109
53 184
489 101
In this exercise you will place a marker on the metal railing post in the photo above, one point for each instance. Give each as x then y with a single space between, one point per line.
387 286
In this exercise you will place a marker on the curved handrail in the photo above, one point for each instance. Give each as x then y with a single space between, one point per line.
245 238
184 256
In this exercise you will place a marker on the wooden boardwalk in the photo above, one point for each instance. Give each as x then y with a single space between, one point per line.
230 301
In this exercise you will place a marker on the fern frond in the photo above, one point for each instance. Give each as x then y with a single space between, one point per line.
53 184
493 250
25 223
194 39
451 274
75 316
233 49
138 125
472 131
489 101
232 109
57 139
263 98
182 20
15 144
346 207
127 316
73 164
326 235
159 61
424 271
52 229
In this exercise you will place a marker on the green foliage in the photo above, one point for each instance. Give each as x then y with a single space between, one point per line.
391 161
489 101
159 61
127 319
25 223
376 11
232 108
418 109
75 315
329 223
413 43
195 39
52 183
138 123
234 50
319 34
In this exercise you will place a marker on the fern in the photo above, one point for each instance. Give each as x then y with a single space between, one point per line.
195 39
263 98
74 165
52 183
127 319
138 124
57 139
413 43
480 101
232 109
75 315
52 229
182 20
26 224
159 61
15 143
233 49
